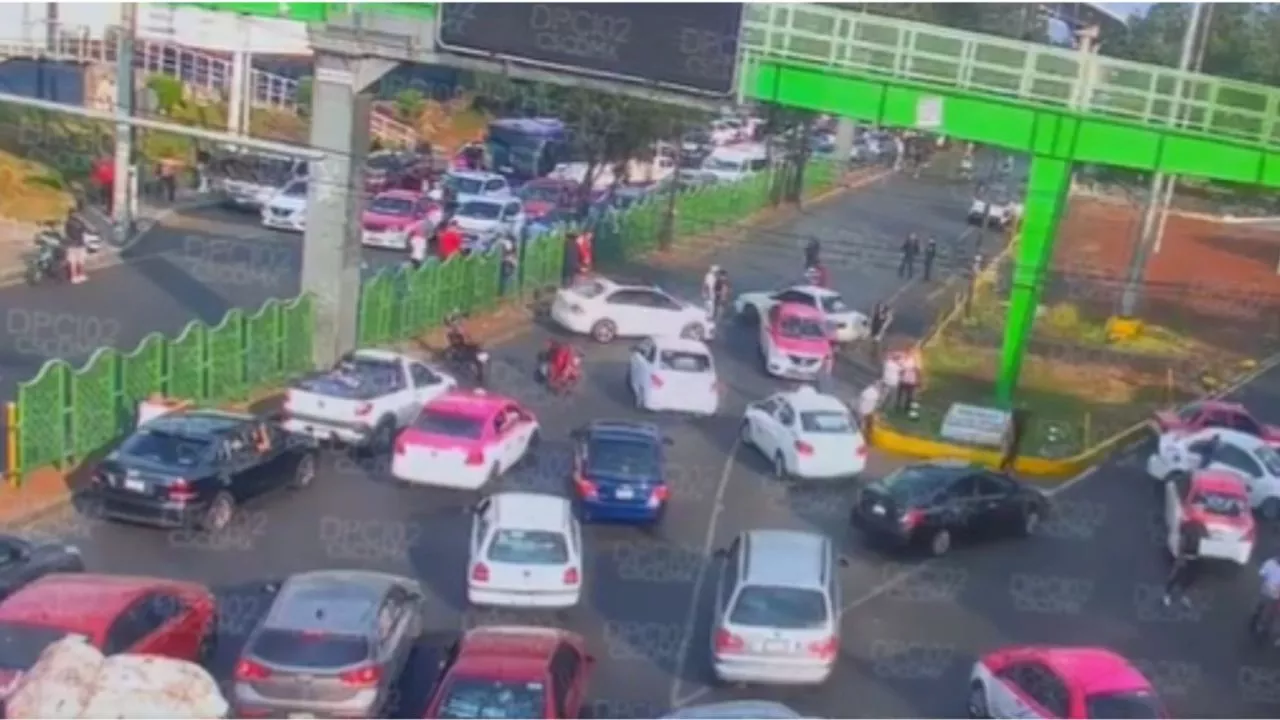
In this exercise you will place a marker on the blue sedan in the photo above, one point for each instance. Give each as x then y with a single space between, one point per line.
618 472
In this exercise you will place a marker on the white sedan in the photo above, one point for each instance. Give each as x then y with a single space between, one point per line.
847 324
606 310
526 551
674 374
1248 456
287 209
806 434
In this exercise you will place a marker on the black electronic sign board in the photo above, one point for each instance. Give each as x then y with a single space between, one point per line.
686 46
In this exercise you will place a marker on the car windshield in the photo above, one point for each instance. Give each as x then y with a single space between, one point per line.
588 288
913 483
295 190
293 648
1219 503
463 185
802 328
529 547
722 165
435 422
633 460
833 304
831 422
481 210
398 206
783 608
681 361
21 645
496 699
1138 705
382 161
165 448
1270 460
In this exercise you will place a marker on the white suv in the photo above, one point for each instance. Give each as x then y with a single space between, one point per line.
777 609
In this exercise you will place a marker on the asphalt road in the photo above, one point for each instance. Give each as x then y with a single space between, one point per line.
911 629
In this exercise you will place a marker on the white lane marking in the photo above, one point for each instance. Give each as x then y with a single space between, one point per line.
691 616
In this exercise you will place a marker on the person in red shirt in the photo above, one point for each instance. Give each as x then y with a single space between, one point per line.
583 247
450 242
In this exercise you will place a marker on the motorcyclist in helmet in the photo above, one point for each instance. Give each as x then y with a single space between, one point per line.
463 350
560 364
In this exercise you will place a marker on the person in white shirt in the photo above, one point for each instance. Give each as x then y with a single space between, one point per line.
709 289
868 403
1268 595
909 380
892 374
417 248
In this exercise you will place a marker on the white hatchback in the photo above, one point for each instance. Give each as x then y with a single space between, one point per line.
674 374
806 434
606 310
526 551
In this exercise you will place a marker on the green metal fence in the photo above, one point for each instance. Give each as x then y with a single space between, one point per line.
64 415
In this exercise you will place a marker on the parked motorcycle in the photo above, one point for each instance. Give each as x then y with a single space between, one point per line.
49 259
464 354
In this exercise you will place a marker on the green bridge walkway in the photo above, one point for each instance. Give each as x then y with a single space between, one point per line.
1060 106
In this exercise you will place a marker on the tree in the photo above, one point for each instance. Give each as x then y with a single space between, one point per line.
409 105
169 92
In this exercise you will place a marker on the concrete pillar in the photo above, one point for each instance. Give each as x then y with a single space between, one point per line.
122 191
236 99
331 247
844 139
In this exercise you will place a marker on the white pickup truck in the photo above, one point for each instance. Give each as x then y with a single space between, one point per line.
364 400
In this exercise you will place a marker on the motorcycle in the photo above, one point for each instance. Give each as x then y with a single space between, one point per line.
466 355
562 385
48 262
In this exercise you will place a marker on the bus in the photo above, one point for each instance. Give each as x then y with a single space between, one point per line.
522 149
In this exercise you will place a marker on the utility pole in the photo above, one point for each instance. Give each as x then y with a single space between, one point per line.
1167 202
667 238
125 185
1138 263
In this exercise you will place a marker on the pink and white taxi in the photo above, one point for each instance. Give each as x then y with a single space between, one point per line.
464 439
1060 682
1218 500
795 342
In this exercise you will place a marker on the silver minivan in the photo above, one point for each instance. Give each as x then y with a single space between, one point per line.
777 609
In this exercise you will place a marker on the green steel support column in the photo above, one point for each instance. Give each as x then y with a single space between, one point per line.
1048 185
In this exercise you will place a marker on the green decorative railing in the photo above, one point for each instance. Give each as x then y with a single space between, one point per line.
64 415
313 12
859 43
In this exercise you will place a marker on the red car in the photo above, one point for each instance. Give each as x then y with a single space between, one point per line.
117 613
1215 414
513 672
1060 682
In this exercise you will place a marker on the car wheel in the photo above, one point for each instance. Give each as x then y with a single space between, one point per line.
746 433
693 331
780 467
384 436
940 542
638 394
1030 522
304 473
1270 509
749 315
220 513
978 701
604 331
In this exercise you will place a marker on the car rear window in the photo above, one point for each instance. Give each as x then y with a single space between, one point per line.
913 484
455 425
1270 458
310 649
464 186
779 607
826 421
165 448
529 547
680 361
384 205
21 645
588 288
623 459
498 699
1221 503
834 304
1142 705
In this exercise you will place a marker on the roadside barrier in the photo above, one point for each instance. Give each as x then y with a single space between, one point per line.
64 415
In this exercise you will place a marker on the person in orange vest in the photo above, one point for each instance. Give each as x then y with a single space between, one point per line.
582 246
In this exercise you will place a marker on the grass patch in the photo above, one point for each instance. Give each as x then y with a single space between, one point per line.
30 192
1065 324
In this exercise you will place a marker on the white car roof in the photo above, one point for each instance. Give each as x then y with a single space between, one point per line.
814 290
1242 440
679 344
807 398
530 511
377 354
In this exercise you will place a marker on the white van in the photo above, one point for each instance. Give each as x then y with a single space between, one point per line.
736 163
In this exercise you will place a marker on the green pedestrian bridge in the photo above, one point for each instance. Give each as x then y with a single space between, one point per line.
1059 106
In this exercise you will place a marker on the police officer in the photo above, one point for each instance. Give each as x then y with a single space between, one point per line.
930 253
910 248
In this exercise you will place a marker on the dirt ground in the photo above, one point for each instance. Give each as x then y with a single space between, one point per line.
1204 273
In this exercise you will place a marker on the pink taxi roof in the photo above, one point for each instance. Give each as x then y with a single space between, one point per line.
1223 482
400 194
800 311
470 403
1096 670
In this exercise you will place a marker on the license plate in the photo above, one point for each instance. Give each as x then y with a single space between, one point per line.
625 493
135 485
776 647
877 509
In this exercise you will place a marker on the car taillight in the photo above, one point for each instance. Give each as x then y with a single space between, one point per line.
401 446
911 518
480 573
362 677
659 495
364 409
475 457
804 448
571 576
727 642
181 491
586 488
826 649
655 380
250 670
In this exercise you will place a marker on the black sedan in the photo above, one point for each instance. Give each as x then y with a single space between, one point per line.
929 505
23 561
195 468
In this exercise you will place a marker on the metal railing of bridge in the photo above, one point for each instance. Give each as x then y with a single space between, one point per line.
1040 74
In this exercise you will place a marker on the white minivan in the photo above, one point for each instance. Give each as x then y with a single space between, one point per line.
736 163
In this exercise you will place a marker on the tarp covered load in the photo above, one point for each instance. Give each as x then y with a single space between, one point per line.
72 679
